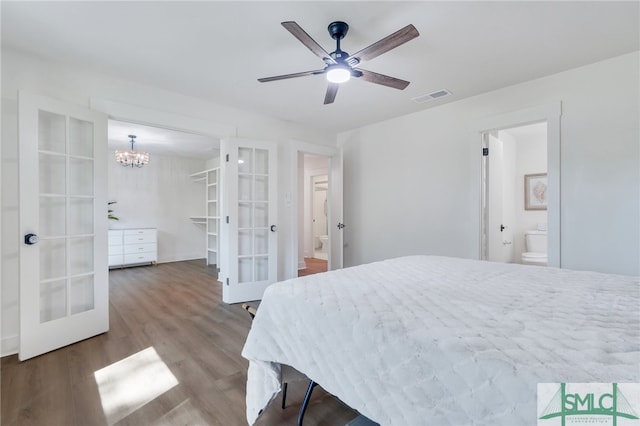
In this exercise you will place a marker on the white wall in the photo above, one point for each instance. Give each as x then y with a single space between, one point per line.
530 157
161 195
74 85
409 186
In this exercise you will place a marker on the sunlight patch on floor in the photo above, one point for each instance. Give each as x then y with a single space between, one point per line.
129 384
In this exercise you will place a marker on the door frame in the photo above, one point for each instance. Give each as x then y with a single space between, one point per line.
334 204
552 114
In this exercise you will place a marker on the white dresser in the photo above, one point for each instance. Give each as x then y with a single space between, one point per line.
132 246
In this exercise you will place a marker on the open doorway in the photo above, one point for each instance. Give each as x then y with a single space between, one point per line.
313 221
514 195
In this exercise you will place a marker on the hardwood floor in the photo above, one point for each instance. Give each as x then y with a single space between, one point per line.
313 266
171 357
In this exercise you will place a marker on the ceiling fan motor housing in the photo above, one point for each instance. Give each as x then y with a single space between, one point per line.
338 30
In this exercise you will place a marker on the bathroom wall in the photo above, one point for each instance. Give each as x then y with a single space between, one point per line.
319 206
314 165
530 157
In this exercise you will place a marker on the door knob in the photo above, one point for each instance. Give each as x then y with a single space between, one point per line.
273 228
340 225
31 239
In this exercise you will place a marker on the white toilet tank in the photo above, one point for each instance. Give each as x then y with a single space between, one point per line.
536 241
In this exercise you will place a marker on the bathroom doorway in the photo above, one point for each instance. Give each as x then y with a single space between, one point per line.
514 161
313 229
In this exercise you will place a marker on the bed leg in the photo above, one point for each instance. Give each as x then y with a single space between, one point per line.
305 402
284 394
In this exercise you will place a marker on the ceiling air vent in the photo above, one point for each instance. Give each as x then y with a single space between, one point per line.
432 96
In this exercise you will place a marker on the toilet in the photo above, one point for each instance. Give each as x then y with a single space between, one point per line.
323 242
536 246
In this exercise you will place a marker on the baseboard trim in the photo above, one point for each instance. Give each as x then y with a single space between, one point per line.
9 345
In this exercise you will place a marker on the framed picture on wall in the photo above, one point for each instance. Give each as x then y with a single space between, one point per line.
535 191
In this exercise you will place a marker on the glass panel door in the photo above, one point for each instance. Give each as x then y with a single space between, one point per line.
64 298
251 234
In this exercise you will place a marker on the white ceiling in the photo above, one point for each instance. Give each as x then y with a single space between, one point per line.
216 50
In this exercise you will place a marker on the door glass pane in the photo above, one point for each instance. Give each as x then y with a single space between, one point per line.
245 163
262 188
53 258
244 188
81 294
244 243
81 216
52 216
80 176
51 132
81 255
52 174
80 137
244 215
262 162
245 266
53 300
262 268
261 241
261 215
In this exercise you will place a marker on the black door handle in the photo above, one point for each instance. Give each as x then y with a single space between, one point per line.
31 239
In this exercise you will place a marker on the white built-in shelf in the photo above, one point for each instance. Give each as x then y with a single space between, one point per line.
199 176
211 218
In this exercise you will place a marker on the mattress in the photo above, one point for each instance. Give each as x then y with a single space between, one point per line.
443 341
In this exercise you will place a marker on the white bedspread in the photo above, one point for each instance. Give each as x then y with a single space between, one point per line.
425 340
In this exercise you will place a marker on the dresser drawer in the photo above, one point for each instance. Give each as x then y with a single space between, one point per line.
116 250
141 231
140 248
139 258
115 238
139 238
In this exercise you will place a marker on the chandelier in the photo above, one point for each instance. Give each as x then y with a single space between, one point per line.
132 157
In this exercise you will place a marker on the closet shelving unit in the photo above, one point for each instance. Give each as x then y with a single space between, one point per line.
211 220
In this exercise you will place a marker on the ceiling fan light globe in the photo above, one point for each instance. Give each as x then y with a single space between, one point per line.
338 74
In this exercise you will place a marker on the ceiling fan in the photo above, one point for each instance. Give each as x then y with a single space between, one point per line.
340 66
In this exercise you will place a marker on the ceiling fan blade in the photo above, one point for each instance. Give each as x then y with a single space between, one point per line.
294 75
306 39
332 90
385 80
384 45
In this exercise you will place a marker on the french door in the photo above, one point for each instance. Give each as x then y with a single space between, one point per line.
63 222
249 232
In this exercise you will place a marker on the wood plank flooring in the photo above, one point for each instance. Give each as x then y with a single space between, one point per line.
171 357
313 266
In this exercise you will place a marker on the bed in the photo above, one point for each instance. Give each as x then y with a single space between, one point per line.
428 340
